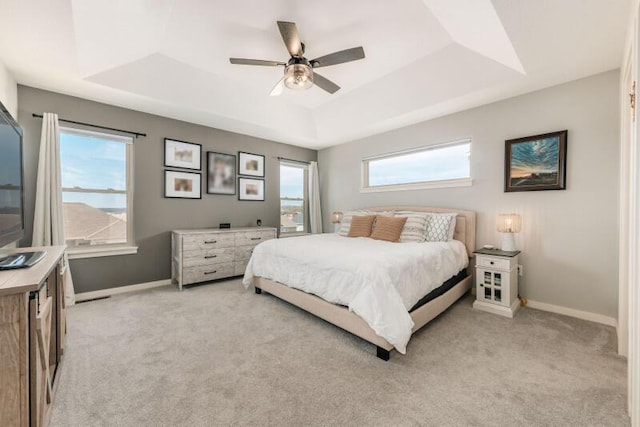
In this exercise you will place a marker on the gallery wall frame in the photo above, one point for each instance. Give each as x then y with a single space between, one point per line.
221 173
250 164
536 163
182 185
251 189
182 154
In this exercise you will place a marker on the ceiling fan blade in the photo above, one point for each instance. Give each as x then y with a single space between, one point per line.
325 84
243 61
289 33
335 58
278 88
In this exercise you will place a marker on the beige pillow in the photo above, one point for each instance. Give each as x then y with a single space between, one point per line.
345 224
388 229
361 225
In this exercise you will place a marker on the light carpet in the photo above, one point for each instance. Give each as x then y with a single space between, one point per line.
218 354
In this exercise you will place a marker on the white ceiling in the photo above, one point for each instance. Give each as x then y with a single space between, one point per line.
424 58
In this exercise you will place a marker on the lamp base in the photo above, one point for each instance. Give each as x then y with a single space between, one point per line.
508 242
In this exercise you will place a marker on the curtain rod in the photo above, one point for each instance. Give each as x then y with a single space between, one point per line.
293 160
136 134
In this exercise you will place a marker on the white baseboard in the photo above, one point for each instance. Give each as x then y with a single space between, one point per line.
85 296
584 315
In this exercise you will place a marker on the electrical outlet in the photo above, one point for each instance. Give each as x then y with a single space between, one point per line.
520 270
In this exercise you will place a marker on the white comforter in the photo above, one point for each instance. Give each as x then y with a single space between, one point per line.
379 281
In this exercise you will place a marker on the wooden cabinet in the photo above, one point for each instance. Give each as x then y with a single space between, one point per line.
497 282
209 254
32 335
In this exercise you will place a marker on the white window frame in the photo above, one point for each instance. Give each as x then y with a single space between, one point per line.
444 183
305 199
128 248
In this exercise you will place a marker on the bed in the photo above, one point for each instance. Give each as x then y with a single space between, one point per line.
358 284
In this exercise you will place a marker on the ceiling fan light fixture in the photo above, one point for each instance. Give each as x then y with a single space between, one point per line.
298 76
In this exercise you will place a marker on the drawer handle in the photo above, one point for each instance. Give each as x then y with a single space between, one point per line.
256 238
210 256
491 262
210 241
211 272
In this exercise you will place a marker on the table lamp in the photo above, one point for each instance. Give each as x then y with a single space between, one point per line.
507 224
336 219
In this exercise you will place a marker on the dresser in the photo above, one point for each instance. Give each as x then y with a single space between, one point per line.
208 254
32 335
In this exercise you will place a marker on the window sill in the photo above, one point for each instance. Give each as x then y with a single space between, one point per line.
282 236
462 182
78 253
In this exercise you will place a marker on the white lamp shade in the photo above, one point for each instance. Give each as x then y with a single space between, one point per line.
509 223
336 217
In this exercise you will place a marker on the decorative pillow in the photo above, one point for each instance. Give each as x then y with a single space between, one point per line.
361 225
345 224
415 228
388 228
440 227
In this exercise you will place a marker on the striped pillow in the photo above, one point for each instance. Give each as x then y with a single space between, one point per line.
440 227
345 224
388 228
361 225
415 228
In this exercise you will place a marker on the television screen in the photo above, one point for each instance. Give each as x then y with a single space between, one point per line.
11 209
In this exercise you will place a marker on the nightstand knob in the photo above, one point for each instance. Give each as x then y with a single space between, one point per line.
491 262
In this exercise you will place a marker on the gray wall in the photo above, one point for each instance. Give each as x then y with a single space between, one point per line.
569 238
154 215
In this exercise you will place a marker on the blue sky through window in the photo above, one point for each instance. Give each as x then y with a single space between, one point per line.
291 181
447 162
91 162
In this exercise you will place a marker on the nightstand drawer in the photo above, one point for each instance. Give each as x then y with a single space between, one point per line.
498 263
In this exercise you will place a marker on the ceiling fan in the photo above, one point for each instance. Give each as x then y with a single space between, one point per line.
299 72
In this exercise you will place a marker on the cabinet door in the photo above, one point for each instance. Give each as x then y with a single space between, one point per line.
40 374
490 286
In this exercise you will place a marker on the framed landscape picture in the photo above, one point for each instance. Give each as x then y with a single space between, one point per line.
251 189
250 164
182 185
221 173
180 154
536 162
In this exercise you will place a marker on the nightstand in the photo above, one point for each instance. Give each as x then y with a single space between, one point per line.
497 282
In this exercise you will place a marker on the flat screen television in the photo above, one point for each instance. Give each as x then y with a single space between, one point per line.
11 180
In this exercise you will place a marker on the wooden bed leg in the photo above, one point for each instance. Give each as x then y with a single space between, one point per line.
382 353
258 290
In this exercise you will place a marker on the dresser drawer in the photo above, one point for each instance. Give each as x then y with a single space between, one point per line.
239 267
206 241
207 257
206 273
496 263
246 238
243 253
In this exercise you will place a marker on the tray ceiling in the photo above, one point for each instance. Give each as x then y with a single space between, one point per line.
424 58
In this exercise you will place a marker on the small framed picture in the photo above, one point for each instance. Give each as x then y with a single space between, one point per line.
536 162
251 189
221 173
182 185
250 164
180 154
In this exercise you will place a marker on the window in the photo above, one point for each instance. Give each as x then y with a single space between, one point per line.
442 165
96 192
294 211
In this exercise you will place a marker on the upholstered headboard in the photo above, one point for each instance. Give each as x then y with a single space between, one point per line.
465 222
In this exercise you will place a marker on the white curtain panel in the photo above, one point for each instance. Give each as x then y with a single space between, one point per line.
315 213
48 221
